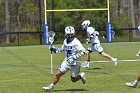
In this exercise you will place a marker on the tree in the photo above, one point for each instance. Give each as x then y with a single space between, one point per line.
7 20
75 18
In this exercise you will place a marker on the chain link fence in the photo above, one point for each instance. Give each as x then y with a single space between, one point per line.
20 22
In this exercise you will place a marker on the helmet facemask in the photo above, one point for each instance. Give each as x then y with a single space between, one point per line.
85 25
69 35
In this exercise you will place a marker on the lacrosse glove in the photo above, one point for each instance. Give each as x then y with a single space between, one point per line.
71 59
54 49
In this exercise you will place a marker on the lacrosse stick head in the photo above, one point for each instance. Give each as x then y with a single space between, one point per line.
51 35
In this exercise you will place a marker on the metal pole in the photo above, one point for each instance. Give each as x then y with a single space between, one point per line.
45 11
108 11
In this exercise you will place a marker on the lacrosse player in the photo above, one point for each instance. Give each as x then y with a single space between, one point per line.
134 83
95 45
74 50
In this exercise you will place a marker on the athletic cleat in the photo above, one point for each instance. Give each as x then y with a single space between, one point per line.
83 77
49 88
114 60
132 84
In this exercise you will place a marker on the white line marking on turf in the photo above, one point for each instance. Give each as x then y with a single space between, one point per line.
129 60
21 79
117 61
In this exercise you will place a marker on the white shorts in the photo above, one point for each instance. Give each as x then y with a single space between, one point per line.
95 47
74 69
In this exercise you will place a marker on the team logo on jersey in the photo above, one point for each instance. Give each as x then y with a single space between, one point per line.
68 47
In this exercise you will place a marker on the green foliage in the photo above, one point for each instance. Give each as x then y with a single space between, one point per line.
27 11
98 18
28 7
24 15
62 19
122 22
29 28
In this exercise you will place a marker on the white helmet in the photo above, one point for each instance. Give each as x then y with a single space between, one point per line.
139 27
85 24
69 31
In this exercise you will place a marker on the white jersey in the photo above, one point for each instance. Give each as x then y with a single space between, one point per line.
93 38
93 35
72 48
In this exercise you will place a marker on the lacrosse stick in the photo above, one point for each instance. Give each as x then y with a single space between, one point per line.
51 35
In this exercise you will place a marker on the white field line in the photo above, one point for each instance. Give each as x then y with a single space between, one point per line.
21 79
83 62
117 61
7 80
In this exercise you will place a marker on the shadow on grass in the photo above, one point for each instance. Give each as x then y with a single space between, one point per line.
97 68
72 90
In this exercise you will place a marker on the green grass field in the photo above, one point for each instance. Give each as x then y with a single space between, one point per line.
25 69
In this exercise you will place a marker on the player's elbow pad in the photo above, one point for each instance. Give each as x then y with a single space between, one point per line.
80 54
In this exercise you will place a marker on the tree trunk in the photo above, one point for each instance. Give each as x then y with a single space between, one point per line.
139 13
7 20
132 17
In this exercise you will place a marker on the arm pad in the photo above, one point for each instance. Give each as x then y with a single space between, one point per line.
81 53
71 58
